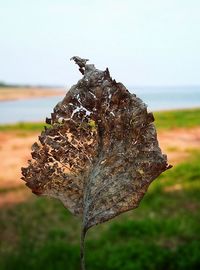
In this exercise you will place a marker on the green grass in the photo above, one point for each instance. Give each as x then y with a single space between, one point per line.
163 233
177 119
9 189
23 127
163 120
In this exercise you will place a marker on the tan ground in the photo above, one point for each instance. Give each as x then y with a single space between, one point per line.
15 151
10 93
178 143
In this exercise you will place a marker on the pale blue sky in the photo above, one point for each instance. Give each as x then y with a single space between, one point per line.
143 42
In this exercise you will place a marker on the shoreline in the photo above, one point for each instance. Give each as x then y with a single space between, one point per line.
23 93
184 108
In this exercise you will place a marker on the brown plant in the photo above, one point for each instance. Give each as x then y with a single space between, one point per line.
100 153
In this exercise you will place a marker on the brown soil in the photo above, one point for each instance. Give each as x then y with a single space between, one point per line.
15 151
10 93
178 143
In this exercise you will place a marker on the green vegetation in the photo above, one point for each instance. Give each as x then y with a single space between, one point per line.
177 119
8 85
165 119
2 84
163 233
9 189
23 127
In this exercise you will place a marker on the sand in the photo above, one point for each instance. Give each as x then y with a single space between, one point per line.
18 93
15 151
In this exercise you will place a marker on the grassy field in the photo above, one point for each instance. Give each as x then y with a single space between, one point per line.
178 118
22 127
162 234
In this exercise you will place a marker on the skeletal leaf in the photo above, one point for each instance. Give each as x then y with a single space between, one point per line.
100 153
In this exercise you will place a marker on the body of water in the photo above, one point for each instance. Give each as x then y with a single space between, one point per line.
167 98
157 98
27 110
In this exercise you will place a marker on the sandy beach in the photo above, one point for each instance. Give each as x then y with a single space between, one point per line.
19 93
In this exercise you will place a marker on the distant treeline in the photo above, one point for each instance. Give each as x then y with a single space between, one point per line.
3 84
8 85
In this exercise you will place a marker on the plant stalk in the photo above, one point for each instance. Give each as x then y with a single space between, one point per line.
82 248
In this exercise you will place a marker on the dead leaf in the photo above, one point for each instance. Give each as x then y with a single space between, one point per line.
101 152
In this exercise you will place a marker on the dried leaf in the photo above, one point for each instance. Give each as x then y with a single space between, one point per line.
101 152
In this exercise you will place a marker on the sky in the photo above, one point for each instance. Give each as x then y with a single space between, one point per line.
141 42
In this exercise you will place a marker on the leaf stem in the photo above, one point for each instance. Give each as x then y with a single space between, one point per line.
82 248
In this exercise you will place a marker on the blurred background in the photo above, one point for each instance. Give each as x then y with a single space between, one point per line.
152 47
